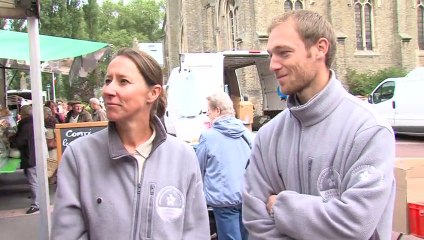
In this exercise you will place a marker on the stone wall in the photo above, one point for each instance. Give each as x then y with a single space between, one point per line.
206 29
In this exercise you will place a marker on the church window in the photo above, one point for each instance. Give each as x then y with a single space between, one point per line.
363 23
293 5
420 24
232 23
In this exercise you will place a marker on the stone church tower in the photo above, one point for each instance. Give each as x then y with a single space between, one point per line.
371 34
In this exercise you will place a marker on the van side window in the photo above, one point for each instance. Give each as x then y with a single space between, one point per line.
384 92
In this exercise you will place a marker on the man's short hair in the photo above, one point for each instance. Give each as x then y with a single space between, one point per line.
310 26
26 111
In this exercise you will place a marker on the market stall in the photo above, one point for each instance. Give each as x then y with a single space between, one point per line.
31 48
9 158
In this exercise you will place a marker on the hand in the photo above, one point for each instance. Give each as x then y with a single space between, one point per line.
270 203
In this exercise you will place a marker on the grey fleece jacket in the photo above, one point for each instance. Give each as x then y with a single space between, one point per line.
330 162
99 197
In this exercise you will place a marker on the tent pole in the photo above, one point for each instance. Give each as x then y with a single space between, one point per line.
3 84
39 135
53 87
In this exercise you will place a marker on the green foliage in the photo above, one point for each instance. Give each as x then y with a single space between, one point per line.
17 25
363 83
121 23
3 22
13 78
114 22
91 15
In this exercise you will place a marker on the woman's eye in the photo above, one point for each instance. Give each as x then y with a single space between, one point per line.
107 81
124 81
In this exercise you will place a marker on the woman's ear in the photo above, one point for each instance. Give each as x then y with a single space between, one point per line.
154 93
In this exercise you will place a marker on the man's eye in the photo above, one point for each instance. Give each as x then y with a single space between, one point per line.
284 53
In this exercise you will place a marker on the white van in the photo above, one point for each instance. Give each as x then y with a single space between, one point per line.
201 74
401 102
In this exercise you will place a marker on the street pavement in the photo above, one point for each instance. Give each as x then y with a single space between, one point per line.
14 202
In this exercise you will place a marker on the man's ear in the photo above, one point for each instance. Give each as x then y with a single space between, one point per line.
154 93
322 47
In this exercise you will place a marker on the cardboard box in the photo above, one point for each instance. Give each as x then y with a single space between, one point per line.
244 111
409 175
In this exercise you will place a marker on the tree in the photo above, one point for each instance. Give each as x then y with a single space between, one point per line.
139 19
114 23
53 18
91 16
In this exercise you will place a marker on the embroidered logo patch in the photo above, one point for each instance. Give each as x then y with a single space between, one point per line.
329 184
170 203
366 173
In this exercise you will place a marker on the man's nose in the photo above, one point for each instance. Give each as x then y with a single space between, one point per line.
274 64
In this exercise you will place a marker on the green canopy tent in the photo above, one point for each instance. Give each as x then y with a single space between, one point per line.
14 45
33 49
56 53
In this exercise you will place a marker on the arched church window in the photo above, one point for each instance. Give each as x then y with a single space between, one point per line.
298 5
232 12
420 24
363 23
293 5
288 5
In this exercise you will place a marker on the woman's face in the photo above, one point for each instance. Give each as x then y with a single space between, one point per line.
126 94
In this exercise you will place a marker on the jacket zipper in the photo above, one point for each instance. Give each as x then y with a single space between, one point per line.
299 162
150 211
137 209
309 175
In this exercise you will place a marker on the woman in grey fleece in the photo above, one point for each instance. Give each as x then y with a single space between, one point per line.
323 168
130 180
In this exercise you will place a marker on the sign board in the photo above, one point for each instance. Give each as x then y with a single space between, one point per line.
68 132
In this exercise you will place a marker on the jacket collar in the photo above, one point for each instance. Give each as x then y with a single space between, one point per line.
319 106
117 149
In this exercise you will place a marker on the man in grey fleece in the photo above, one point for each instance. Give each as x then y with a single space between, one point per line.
323 168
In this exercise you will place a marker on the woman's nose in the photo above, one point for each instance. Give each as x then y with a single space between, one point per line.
109 89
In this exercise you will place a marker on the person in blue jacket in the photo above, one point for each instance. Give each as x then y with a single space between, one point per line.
223 152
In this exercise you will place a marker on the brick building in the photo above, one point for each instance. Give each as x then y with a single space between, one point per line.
371 34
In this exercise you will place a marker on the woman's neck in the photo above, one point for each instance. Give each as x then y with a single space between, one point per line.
134 134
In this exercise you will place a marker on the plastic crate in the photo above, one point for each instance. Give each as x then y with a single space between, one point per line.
416 219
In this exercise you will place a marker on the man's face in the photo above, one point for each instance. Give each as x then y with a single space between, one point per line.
295 66
213 113
77 108
53 107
